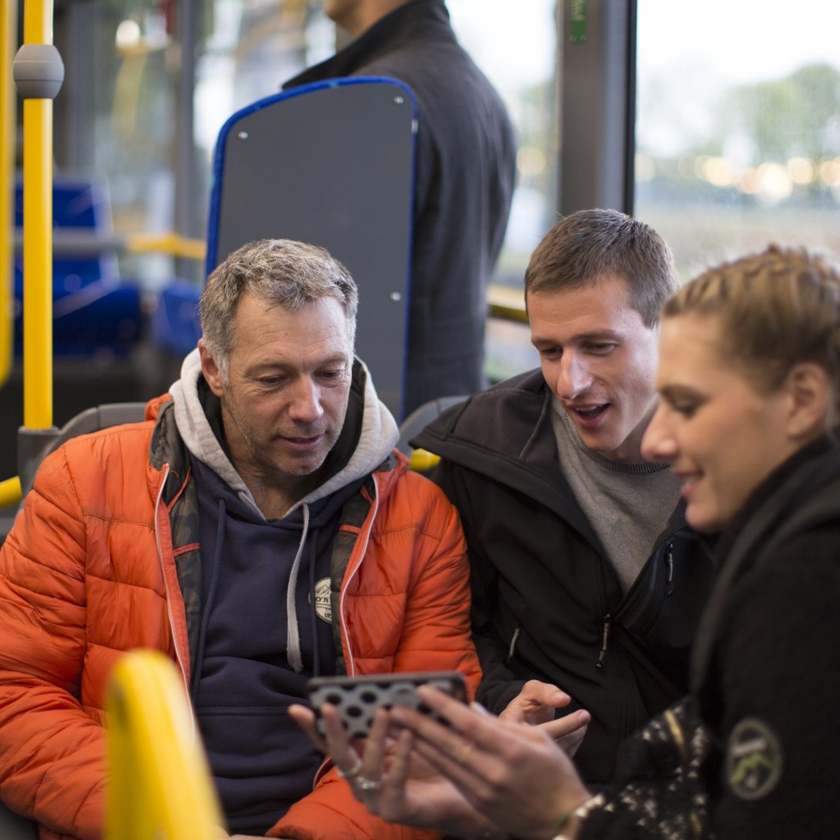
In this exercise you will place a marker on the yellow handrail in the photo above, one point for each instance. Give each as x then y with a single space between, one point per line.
167 243
506 303
421 461
10 492
37 235
158 779
8 41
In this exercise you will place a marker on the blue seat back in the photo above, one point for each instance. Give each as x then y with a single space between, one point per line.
93 307
331 164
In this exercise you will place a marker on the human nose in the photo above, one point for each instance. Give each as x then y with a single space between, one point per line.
574 377
658 442
305 405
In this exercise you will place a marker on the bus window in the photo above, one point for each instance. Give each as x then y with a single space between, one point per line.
515 45
738 126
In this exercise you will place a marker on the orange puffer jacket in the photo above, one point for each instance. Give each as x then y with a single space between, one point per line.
104 558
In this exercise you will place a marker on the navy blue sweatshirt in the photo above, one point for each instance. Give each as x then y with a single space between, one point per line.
243 680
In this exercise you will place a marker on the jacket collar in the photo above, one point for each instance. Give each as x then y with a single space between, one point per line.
403 24
367 437
799 493
783 486
505 433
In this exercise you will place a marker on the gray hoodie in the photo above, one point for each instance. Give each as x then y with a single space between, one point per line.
262 633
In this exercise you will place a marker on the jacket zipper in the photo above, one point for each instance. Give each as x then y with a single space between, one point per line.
605 638
669 559
351 664
607 620
178 655
514 639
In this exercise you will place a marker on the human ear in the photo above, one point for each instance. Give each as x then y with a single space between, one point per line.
210 370
809 401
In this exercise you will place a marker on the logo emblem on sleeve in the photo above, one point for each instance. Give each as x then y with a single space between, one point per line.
753 759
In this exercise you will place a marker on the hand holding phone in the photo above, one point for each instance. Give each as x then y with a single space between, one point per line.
358 698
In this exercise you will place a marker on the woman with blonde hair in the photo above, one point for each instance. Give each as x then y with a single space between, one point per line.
749 384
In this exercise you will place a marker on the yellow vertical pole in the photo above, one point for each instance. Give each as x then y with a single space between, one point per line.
8 42
37 235
38 72
159 782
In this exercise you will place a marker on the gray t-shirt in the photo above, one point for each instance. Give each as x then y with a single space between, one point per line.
628 505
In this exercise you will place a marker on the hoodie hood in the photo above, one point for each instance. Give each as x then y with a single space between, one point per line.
366 415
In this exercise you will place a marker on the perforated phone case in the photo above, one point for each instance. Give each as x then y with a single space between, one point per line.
357 699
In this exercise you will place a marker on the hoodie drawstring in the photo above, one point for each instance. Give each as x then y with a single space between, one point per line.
313 612
292 629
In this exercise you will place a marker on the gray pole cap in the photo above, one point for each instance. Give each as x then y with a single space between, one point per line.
38 71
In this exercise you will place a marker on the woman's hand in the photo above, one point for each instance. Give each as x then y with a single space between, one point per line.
511 773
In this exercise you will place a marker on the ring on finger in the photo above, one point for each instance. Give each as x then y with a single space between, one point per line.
353 771
367 785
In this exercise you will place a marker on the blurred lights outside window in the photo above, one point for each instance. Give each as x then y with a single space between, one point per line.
520 61
738 127
515 46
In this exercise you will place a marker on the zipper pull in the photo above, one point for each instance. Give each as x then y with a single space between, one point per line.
513 641
669 559
605 637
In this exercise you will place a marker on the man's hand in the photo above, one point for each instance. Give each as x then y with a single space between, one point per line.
535 706
391 780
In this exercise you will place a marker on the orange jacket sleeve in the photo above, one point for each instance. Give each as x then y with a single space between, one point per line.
52 753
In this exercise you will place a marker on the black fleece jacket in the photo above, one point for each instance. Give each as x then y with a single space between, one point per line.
547 603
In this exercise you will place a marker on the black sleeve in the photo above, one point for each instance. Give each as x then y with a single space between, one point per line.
779 658
498 685
658 793
770 769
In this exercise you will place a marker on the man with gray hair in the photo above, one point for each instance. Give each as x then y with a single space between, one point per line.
259 529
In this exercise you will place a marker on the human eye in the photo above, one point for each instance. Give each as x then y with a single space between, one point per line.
600 348
551 352
685 409
684 406
271 380
333 374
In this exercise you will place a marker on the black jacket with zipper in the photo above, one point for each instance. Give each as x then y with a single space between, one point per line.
547 603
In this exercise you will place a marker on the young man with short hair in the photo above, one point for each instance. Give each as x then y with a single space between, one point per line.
584 575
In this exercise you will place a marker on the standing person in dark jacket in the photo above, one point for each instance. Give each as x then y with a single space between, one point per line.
464 180
749 380
584 576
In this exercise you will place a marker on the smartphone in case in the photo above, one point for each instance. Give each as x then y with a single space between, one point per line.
358 698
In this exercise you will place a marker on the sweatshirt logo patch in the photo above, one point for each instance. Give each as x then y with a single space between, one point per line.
323 603
753 759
